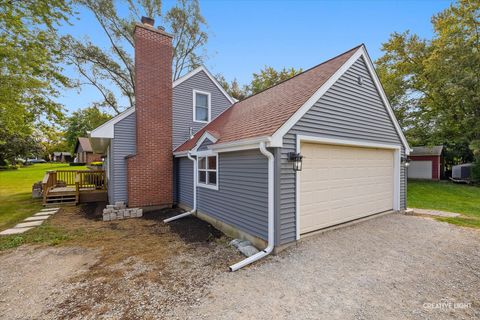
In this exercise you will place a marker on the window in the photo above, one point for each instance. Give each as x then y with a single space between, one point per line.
207 171
201 106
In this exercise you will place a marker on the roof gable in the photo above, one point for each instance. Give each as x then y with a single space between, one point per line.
264 113
270 114
84 143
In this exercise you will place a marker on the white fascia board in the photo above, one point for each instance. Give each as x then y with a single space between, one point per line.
212 78
277 137
245 144
106 130
180 154
206 135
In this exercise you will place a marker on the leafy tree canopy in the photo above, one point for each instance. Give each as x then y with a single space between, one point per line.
434 85
81 122
264 79
30 76
110 67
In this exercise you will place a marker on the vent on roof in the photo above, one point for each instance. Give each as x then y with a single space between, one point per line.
360 80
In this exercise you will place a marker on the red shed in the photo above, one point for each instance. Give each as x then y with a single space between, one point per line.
426 163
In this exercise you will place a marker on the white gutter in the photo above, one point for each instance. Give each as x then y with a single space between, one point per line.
271 217
194 193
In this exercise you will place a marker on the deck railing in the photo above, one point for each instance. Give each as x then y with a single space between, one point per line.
81 180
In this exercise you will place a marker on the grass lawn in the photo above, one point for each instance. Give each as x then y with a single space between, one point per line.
447 196
16 201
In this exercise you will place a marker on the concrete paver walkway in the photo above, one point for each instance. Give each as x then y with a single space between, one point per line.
36 220
437 213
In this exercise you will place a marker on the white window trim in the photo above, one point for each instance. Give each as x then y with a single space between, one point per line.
204 155
209 99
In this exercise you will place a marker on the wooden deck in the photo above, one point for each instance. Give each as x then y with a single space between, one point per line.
74 186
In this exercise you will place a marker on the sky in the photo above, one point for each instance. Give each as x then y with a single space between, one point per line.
245 36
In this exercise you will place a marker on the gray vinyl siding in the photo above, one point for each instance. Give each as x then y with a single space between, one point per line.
242 196
183 105
204 145
346 111
121 146
184 181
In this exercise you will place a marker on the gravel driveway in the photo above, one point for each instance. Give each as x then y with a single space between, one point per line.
391 267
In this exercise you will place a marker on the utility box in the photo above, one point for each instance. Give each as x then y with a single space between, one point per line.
462 171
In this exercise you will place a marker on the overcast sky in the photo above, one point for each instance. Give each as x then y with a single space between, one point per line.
247 35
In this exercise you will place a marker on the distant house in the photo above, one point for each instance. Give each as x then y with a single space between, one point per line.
426 163
84 152
61 156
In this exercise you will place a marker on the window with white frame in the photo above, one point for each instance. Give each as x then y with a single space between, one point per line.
201 106
207 171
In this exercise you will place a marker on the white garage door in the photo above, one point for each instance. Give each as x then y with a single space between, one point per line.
342 183
420 170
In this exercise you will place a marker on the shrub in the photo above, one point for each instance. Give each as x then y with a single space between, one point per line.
77 164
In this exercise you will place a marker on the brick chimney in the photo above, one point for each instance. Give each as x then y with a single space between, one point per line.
150 169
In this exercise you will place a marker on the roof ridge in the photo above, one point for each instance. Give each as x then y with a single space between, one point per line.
303 72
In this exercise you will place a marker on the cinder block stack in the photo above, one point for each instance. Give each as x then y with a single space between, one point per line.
119 211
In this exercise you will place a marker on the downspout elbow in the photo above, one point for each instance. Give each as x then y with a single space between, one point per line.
271 214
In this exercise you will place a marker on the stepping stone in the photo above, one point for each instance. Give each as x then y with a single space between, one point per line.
49 209
436 213
45 213
14 231
37 218
29 224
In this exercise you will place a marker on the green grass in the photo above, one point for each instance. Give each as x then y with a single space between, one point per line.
16 201
447 196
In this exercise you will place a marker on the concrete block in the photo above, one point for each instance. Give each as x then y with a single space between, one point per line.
119 203
113 216
49 209
14 231
139 213
106 217
29 224
107 210
120 215
37 218
45 213
110 206
126 213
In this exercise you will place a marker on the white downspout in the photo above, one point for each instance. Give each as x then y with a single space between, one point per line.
271 217
194 193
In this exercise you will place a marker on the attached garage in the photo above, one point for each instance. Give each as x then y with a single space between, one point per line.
340 183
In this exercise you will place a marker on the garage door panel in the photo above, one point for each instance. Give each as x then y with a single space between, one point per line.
340 183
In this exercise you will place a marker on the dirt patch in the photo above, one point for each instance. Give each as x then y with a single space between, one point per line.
189 229
143 268
29 275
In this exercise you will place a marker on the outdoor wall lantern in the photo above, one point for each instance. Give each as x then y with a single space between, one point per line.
405 161
296 158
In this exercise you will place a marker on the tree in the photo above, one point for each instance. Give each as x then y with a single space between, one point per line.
233 88
81 122
30 75
103 68
266 78
434 85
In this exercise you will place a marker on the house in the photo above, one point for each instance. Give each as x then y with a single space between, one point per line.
317 150
426 163
84 152
61 156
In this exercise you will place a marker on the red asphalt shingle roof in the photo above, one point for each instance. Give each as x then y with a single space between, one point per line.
264 113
